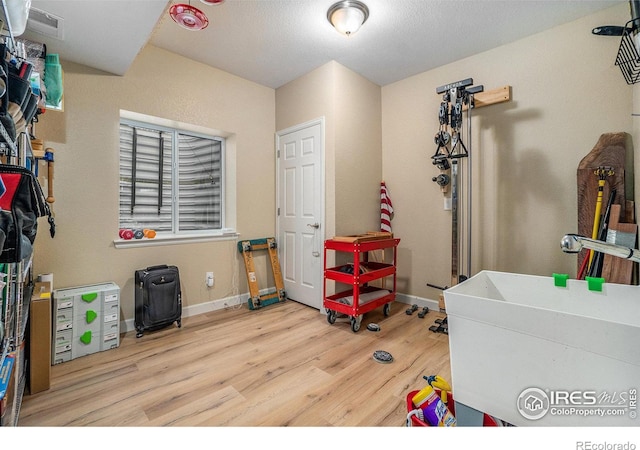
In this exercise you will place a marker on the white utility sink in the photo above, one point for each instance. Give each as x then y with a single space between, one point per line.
532 352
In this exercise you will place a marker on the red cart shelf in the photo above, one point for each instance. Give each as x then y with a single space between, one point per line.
359 298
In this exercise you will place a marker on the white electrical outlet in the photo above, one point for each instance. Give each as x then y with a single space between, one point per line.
209 279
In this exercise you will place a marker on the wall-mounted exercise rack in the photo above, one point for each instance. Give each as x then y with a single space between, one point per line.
451 149
458 98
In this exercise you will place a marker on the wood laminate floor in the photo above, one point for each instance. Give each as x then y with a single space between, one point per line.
282 365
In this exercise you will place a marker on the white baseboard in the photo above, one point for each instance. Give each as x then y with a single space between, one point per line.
214 305
433 305
200 308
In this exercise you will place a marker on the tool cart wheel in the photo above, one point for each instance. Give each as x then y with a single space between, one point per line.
331 316
386 309
355 323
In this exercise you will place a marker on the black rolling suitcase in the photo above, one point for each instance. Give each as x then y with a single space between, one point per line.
158 301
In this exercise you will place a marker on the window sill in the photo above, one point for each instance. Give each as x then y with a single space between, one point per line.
172 239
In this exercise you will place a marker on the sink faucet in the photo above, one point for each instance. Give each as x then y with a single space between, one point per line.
573 243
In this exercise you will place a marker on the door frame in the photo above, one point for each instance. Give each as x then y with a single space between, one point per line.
298 127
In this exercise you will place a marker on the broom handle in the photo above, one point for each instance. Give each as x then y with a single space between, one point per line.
596 219
602 173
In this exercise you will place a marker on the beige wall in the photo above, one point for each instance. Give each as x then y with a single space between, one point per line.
566 92
358 153
351 107
85 140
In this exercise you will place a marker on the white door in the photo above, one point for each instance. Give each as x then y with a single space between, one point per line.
300 215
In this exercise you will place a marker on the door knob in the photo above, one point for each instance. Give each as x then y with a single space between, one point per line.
314 225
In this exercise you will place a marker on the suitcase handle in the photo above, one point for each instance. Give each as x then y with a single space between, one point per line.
161 266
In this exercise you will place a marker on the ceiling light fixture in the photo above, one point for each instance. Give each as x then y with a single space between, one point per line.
348 16
188 17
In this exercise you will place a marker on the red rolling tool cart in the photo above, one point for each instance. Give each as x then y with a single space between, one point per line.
355 295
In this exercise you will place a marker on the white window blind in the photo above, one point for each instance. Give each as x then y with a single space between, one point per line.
171 181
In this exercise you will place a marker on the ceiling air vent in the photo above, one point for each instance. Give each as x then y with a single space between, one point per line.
45 23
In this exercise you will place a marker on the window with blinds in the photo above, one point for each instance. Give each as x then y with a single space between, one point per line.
171 181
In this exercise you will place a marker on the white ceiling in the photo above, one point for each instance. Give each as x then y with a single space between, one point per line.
272 42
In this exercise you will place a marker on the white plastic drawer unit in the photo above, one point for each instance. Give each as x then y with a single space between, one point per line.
535 352
90 318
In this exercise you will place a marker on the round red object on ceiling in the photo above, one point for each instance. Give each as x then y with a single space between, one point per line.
188 17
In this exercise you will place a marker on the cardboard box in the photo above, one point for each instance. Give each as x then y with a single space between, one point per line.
535 354
40 338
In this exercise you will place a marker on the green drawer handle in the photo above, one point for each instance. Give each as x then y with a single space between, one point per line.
560 279
89 297
86 338
91 316
595 283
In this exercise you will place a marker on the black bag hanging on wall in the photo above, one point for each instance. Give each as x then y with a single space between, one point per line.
22 202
